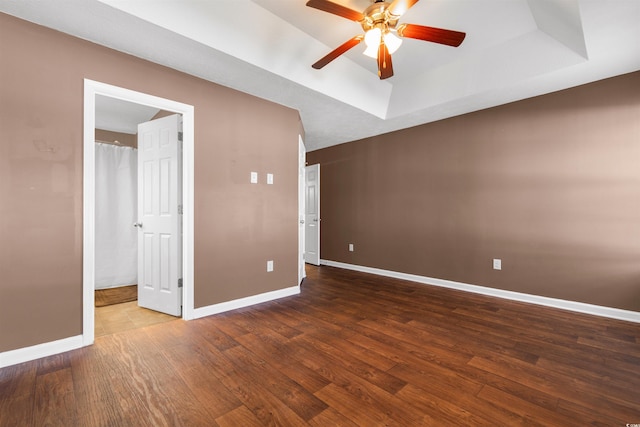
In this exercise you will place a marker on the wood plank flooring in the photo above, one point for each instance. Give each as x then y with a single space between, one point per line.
352 350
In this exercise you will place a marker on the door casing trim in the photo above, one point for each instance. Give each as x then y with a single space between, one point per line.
91 89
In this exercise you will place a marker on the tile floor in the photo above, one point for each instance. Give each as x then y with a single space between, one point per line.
122 317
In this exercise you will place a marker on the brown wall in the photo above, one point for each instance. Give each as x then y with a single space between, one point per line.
238 226
551 185
117 138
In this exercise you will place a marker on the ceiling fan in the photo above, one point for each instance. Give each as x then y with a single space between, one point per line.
379 21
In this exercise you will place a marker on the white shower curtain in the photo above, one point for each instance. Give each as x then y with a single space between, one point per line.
116 251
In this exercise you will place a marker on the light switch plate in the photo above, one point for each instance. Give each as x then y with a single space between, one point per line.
269 266
497 264
350 247
269 178
254 177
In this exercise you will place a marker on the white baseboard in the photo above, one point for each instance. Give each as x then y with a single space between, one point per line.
244 302
26 354
596 310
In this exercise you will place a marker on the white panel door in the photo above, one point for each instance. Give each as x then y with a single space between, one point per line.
159 216
302 155
312 215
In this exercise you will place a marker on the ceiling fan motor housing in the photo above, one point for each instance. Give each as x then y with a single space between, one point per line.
377 15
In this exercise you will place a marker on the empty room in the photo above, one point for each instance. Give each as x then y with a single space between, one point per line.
323 213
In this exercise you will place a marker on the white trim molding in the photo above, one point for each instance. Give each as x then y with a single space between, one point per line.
245 302
91 89
26 354
596 310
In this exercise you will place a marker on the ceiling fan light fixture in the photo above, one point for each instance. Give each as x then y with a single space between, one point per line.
372 39
371 52
392 41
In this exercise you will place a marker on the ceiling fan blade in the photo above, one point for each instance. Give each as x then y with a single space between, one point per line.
336 9
385 67
338 51
399 7
431 34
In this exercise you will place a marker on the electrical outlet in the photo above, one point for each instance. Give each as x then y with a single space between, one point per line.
350 247
254 177
269 266
497 264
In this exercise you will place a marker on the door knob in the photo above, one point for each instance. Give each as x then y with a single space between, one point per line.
302 221
137 224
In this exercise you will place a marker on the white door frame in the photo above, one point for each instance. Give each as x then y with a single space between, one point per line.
309 223
302 177
91 89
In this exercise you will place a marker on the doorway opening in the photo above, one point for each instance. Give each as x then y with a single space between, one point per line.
92 91
312 215
125 230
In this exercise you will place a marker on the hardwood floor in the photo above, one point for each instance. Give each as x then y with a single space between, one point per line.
352 349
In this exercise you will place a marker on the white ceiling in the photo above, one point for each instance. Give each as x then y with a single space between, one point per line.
121 116
514 49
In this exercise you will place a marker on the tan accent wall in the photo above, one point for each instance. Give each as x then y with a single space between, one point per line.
550 185
160 114
117 138
238 226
